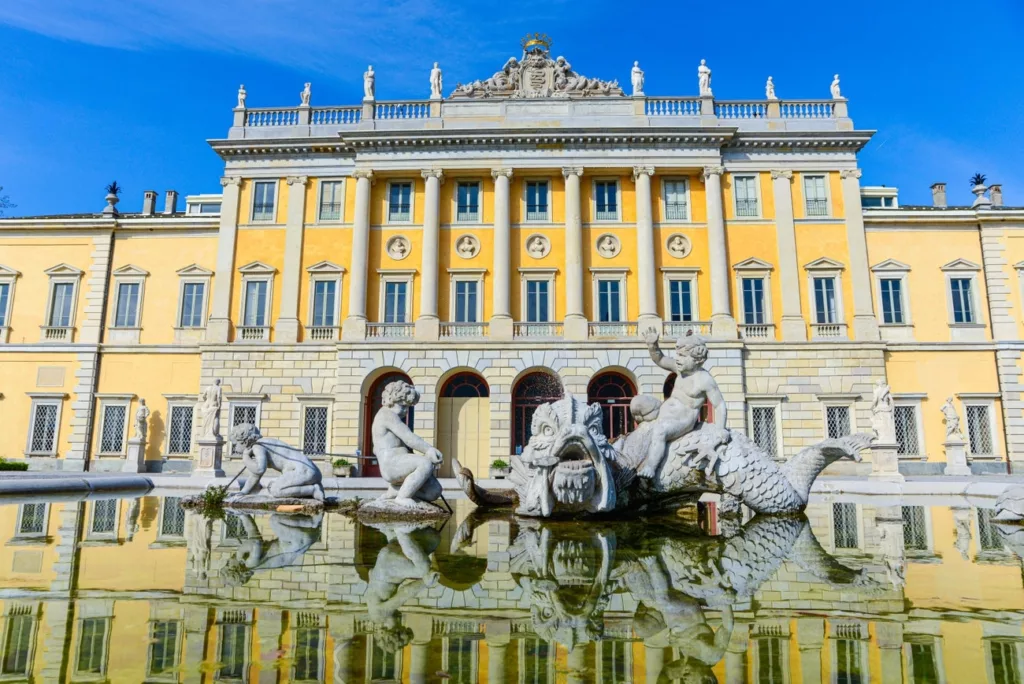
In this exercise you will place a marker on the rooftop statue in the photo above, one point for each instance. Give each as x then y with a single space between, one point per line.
769 89
834 88
435 82
637 78
704 78
369 83
569 467
304 96
300 478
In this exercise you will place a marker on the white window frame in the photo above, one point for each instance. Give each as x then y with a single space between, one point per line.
105 614
316 401
192 274
104 402
618 198
179 639
914 401
988 401
542 275
479 200
841 400
325 271
412 202
185 403
39 398
755 268
396 276
127 275
774 403
59 274
320 198
828 193
256 272
466 275
162 536
17 610
24 537
826 268
668 274
664 199
890 269
609 273
967 270
234 400
859 515
526 200
91 535
273 212
733 177
8 277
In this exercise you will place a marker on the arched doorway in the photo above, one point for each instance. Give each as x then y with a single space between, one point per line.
707 412
532 390
372 404
613 391
464 423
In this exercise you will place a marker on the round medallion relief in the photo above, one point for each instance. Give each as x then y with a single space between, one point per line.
538 246
678 245
608 246
467 246
398 247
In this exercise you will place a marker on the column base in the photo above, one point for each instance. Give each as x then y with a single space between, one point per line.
211 452
287 330
218 330
353 329
724 325
501 328
428 329
865 328
136 461
956 458
575 327
793 329
885 465
647 321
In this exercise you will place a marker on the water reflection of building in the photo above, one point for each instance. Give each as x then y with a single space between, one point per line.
81 602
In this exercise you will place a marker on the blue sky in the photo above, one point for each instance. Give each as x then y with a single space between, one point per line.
130 90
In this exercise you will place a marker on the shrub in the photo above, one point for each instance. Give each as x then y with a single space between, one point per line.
499 463
341 463
12 465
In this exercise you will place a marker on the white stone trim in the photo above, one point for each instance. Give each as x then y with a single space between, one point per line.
455 202
39 399
257 272
59 274
185 402
688 273
90 535
825 268
524 214
829 212
775 403
733 176
127 275
538 275
411 182
973 331
593 202
754 268
665 180
849 401
317 220
914 401
8 277
890 269
192 274
406 276
19 535
106 402
466 275
988 401
252 201
609 273
326 271
309 401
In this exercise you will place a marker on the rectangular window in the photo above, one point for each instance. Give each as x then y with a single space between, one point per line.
19 635
307 655
5 299
127 315
675 201
837 421
770 665
537 301
892 300
536 200
44 428
849 668
163 647
179 439
92 646
61 305
825 309
325 297
1006 666
395 302
234 652
989 538
192 297
763 426
33 519
465 301
963 311
814 196
469 202
608 301
330 201
244 414
255 303
314 436
112 429
607 200
263 200
753 301
746 196
915 528
173 522
844 525
907 442
680 301
104 517
979 429
400 202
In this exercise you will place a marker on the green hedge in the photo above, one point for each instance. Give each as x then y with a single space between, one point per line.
12 465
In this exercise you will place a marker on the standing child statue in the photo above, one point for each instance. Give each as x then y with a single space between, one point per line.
410 475
300 478
141 416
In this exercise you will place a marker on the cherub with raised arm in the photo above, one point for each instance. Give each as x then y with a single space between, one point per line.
680 413
410 475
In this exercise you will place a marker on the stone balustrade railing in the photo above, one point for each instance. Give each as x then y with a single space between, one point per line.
618 329
324 333
451 331
408 109
537 330
675 329
828 331
807 109
758 331
389 331
272 116
254 333
741 109
53 333
672 106
335 116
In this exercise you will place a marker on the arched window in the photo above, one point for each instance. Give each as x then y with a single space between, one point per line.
531 391
465 385
707 412
371 405
613 392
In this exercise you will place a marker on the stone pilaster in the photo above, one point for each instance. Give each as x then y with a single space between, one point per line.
793 327
269 627
197 619
354 327
645 250
998 287
498 636
501 324
422 626
428 326
736 655
722 322
287 327
890 644
810 638
575 319
865 325
1008 366
218 328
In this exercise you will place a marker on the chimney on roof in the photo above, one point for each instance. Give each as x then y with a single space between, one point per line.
938 194
171 205
995 191
149 203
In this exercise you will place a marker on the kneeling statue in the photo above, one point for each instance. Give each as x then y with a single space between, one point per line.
300 478
410 475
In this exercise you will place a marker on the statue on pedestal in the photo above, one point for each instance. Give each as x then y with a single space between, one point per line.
769 89
300 478
410 475
836 95
241 96
141 416
435 82
952 421
882 414
704 79
305 95
637 76
369 83
208 409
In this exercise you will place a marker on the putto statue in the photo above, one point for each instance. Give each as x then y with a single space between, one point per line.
704 79
300 478
410 475
208 409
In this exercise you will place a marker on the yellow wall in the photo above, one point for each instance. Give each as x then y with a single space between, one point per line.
20 373
814 241
266 245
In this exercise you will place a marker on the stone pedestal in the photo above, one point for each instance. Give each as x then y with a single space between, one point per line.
498 637
136 461
885 462
576 327
956 457
211 451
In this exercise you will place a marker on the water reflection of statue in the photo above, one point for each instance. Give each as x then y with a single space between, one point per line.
401 572
209 411
198 533
295 534
300 478
411 476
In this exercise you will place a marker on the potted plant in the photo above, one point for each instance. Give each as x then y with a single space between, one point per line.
113 191
342 467
499 469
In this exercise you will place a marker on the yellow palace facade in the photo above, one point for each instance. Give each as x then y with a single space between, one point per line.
504 245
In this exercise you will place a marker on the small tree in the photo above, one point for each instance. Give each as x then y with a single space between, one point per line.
5 202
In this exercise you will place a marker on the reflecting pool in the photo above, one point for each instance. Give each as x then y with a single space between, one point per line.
139 590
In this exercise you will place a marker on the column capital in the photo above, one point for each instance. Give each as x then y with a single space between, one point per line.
572 171
501 172
363 173
638 170
713 171
433 173
782 173
298 180
850 173
230 180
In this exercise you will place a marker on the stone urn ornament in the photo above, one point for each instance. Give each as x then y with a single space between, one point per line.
979 189
113 192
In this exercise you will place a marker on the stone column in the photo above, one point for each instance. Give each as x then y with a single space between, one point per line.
865 325
428 326
497 635
736 655
501 315
197 618
575 319
269 626
645 250
810 637
354 327
722 322
287 328
422 626
792 327
219 326
890 643
342 629
956 456
654 663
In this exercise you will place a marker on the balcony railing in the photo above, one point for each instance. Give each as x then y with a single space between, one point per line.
741 110
253 333
55 333
263 212
757 331
402 110
828 331
389 331
330 211
807 109
322 333
537 330
333 116
672 106
675 329
746 208
817 207
465 216
676 211
613 329
608 214
461 331
537 213
272 116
